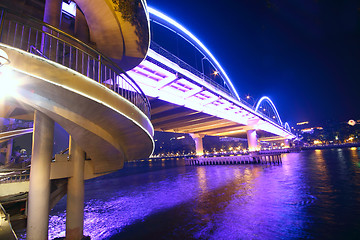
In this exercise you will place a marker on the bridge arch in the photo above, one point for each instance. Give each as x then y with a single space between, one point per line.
287 126
272 105
181 31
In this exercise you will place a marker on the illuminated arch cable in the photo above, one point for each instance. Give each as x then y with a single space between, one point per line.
267 99
175 27
287 126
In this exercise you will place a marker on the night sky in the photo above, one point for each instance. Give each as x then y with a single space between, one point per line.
303 54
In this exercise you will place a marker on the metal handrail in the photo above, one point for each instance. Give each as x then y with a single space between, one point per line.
157 48
165 53
42 39
19 177
16 126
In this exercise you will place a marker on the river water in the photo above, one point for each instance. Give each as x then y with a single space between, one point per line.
313 194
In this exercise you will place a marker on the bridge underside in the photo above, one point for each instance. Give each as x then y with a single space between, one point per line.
185 102
169 117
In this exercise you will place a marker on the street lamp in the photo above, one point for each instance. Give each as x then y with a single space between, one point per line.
250 100
202 66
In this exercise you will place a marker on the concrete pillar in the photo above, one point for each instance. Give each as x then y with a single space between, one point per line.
287 143
81 27
2 157
252 140
75 194
39 188
198 143
9 151
9 145
52 12
52 16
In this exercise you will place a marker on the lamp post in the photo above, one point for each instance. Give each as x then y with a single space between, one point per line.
249 99
202 66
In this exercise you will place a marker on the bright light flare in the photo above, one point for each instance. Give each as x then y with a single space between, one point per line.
351 122
4 59
8 83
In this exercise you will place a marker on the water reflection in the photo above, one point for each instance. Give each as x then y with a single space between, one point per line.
313 194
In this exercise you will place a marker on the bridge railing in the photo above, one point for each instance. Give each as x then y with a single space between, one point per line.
165 53
16 126
16 177
44 40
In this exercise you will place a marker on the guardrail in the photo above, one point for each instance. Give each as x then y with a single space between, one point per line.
19 177
16 126
163 52
42 39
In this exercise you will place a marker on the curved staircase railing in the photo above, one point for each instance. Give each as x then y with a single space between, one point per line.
42 39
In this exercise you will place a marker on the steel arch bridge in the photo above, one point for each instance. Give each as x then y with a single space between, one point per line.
183 100
267 107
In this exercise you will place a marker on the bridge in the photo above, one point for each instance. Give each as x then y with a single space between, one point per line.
184 100
87 73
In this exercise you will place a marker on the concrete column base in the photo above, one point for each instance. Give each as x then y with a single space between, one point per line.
39 186
75 194
198 143
252 140
287 143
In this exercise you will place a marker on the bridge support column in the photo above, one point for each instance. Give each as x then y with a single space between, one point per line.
252 140
9 152
39 188
198 143
52 16
52 12
287 143
9 146
75 193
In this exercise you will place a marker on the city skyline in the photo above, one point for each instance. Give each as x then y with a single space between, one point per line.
303 55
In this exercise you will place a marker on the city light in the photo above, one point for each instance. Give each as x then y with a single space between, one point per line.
309 130
215 73
351 122
302 123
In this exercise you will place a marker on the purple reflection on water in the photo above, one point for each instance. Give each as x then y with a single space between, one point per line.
217 202
314 194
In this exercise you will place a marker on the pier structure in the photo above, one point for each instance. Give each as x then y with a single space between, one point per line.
270 158
198 139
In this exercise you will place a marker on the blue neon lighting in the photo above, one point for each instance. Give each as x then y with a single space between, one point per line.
177 28
272 106
287 126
